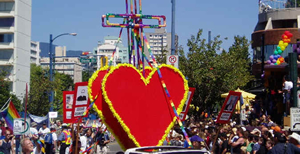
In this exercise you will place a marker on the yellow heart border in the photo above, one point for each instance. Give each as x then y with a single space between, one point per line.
91 80
146 81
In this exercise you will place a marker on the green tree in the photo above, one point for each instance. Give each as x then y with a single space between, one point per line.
40 87
86 75
211 73
5 93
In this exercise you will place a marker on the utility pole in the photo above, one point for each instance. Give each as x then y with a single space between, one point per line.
173 28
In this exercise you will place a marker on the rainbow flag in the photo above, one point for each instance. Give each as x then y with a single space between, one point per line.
9 114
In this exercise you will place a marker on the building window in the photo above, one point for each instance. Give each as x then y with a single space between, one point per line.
151 36
120 51
6 38
7 6
7 22
6 54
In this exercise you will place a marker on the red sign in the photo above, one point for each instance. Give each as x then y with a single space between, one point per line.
68 101
81 99
187 103
228 107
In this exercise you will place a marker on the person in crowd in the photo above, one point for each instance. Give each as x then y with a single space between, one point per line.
58 127
196 141
90 136
33 130
43 131
27 146
295 139
64 139
224 144
51 141
236 145
7 144
281 147
83 139
256 145
269 145
102 139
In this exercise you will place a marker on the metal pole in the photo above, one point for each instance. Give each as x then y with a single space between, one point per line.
209 37
51 72
262 57
173 28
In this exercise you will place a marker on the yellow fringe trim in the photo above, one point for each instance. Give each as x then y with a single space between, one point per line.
91 80
146 81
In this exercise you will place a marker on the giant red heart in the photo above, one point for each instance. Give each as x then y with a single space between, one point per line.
95 94
136 109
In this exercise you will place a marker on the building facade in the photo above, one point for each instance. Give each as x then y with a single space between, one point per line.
15 36
160 40
35 52
274 18
105 50
63 64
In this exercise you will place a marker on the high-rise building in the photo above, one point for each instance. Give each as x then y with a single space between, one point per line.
15 36
35 53
63 64
160 40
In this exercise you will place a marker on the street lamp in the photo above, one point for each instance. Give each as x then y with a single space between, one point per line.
51 56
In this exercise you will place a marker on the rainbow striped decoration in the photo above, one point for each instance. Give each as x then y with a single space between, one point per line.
9 114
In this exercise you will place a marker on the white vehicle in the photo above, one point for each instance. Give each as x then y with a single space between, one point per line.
164 150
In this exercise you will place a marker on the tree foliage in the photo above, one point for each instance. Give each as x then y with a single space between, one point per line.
5 93
213 73
40 87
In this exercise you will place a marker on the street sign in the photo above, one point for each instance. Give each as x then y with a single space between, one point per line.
21 127
295 119
85 60
173 60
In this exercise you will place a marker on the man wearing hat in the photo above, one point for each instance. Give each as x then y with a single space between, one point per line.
33 130
295 139
281 147
196 141
64 139
43 131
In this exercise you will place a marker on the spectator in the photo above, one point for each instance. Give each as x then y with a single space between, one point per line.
295 139
43 131
27 146
33 130
236 145
7 144
281 147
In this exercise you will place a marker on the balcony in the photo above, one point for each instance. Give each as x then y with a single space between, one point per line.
6 45
7 29
6 62
5 14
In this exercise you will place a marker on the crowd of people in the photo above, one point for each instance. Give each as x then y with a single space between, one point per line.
257 134
59 139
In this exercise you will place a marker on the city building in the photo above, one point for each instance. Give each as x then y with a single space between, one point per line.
35 53
160 40
15 36
63 64
105 50
274 18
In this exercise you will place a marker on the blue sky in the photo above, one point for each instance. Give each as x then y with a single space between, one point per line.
226 18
